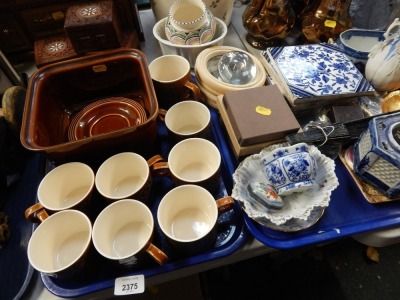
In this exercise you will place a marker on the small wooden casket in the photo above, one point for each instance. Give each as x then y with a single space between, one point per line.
53 49
93 26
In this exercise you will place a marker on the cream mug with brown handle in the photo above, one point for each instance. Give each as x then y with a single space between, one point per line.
123 234
59 246
67 186
126 175
188 216
193 161
187 119
171 79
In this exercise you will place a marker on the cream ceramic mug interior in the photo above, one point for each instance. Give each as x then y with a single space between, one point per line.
187 119
68 186
193 161
171 79
123 232
59 245
125 175
188 216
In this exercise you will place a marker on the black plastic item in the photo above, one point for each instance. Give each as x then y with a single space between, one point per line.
346 113
12 154
337 133
16 272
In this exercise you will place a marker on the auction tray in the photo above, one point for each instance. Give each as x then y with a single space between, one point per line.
347 214
231 231
16 271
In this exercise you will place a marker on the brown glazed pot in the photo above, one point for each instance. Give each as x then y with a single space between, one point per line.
57 92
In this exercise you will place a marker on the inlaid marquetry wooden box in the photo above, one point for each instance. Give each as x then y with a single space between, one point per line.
92 26
54 49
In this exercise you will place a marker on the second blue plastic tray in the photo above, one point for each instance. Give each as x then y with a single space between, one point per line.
348 213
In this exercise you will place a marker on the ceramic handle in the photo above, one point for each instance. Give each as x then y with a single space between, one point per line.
158 165
159 256
161 169
36 213
194 89
225 204
155 159
394 24
161 114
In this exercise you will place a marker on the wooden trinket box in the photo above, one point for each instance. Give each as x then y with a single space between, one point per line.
54 49
93 26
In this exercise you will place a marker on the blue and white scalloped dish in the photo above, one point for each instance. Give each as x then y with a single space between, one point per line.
296 205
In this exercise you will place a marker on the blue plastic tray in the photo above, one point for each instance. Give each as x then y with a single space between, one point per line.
16 272
348 213
232 233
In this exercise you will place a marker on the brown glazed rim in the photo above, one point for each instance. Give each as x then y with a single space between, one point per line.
72 135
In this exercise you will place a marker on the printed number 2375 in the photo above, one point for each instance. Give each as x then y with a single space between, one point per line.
129 287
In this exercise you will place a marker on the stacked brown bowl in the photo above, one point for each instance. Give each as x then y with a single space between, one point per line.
104 116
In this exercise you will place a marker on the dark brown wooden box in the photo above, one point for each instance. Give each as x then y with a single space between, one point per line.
54 49
93 26
259 115
59 48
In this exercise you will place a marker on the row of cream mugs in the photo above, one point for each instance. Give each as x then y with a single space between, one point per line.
171 80
123 231
126 175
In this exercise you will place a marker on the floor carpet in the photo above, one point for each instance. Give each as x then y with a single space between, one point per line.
340 270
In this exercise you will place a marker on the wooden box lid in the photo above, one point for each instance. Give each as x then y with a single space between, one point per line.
53 49
93 26
259 114
238 150
89 13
